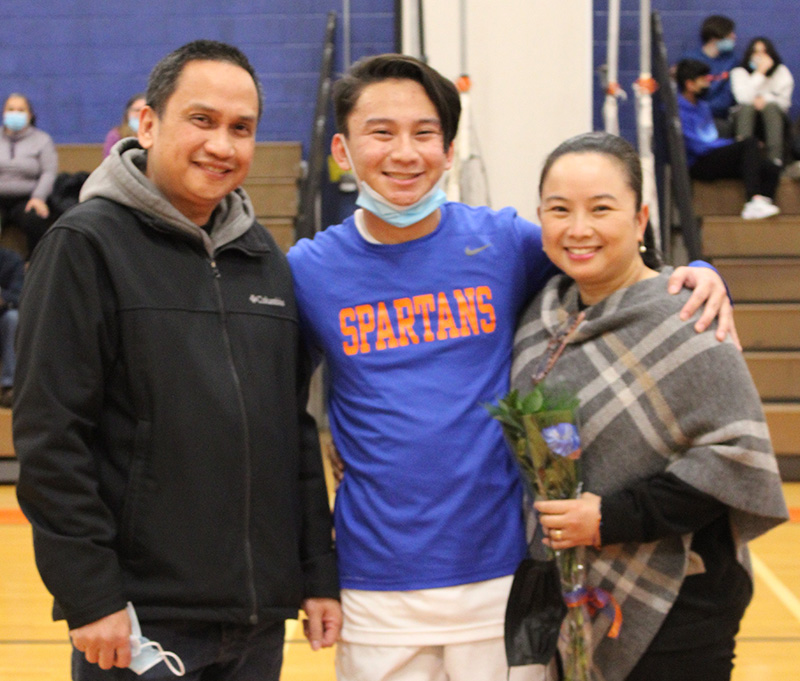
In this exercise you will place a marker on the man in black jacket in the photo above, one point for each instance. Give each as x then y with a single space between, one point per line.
12 273
167 462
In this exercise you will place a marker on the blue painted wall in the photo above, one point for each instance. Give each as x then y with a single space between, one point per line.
681 19
79 60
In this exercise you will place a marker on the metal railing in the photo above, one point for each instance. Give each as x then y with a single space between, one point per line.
306 223
667 125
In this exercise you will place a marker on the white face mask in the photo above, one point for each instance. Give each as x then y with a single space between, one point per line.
146 654
398 216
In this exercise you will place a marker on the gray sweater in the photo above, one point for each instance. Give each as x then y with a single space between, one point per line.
28 163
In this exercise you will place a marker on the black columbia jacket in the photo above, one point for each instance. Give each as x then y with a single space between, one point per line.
166 455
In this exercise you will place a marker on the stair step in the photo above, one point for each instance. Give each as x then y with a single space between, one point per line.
732 236
768 326
761 279
783 420
282 230
776 374
6 443
726 197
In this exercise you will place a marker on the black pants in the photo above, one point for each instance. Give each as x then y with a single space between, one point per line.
739 160
12 210
713 662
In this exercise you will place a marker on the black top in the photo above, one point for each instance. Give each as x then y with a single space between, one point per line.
707 603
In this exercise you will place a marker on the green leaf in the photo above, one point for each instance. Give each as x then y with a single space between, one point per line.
532 402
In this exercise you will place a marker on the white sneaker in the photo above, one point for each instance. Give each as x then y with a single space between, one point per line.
758 208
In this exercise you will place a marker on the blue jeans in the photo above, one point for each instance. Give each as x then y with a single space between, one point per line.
8 329
210 652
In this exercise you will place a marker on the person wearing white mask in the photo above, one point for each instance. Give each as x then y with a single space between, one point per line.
28 168
763 86
717 49
129 125
413 302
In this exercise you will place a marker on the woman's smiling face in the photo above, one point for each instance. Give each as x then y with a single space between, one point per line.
591 228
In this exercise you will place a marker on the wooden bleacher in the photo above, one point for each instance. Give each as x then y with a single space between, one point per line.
760 260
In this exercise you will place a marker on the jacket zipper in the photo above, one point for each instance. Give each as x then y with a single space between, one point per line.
248 472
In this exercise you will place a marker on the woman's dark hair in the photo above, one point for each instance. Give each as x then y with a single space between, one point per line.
124 129
716 27
130 103
163 80
770 50
32 117
626 157
442 93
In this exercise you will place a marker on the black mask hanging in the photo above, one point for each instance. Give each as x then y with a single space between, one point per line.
534 613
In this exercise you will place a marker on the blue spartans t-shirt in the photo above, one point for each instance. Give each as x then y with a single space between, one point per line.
418 339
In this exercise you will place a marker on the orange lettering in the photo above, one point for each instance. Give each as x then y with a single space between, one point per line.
447 325
466 310
366 324
425 305
348 314
385 330
487 325
405 321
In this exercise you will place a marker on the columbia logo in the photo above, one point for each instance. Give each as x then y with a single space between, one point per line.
264 300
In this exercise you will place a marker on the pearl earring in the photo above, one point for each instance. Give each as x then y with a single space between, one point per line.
642 247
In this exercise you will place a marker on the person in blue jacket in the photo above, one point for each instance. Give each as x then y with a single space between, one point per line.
711 157
717 49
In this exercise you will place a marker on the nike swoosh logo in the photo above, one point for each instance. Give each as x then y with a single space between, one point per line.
474 251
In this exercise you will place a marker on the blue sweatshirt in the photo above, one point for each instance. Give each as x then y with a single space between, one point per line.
699 132
720 97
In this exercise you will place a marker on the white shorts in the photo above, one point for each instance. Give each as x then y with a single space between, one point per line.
475 661
451 633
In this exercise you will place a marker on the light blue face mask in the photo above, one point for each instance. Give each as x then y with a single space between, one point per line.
133 123
726 45
15 120
398 216
146 654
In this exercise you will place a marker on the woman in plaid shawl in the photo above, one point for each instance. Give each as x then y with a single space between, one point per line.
677 461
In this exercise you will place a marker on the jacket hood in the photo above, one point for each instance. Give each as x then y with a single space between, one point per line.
121 178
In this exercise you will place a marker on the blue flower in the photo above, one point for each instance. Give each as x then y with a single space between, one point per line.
562 439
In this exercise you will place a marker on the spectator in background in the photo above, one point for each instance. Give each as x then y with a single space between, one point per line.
129 125
28 167
763 86
12 272
718 39
711 157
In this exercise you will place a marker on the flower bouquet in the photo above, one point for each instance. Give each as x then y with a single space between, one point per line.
541 428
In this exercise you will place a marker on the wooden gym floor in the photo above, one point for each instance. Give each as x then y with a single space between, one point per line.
33 648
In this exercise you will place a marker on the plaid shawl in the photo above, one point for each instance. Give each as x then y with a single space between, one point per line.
654 396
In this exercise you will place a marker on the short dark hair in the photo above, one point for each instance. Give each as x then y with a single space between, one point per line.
716 27
689 69
622 152
163 78
769 47
441 91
